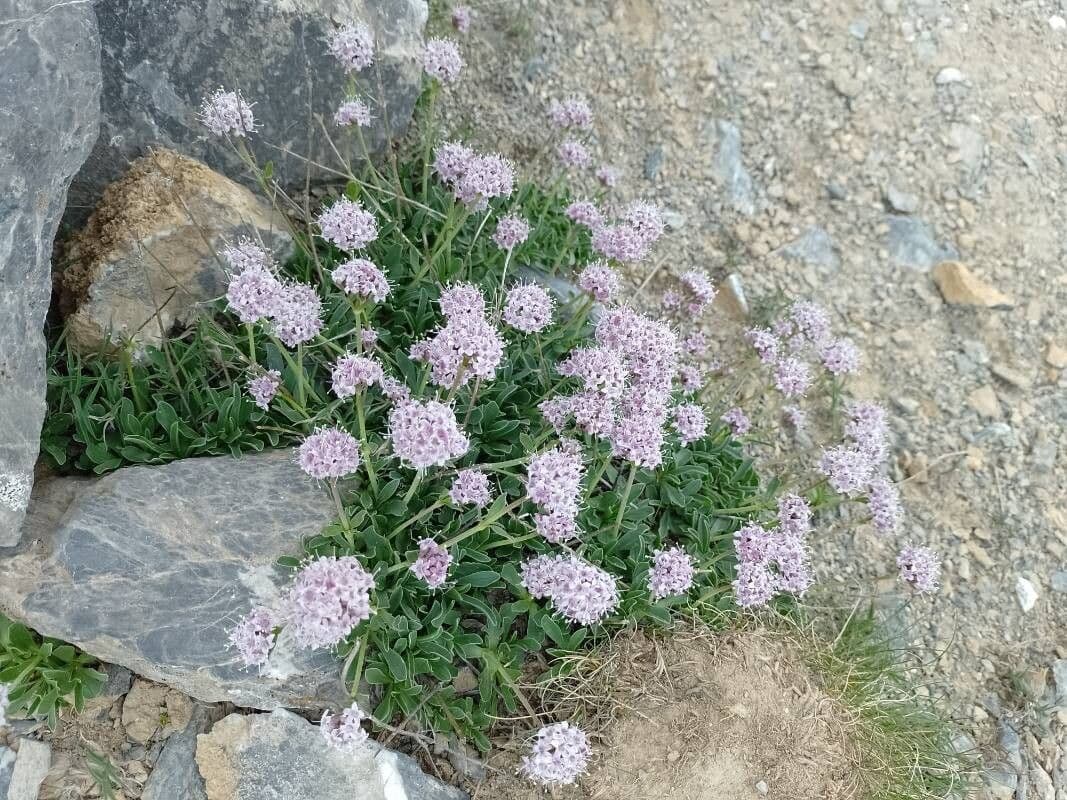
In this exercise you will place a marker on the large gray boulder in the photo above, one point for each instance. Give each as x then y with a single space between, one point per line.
162 57
49 113
150 567
281 756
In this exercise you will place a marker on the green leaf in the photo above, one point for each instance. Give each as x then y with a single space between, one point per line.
397 668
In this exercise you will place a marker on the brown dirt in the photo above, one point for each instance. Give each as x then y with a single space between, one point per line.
700 717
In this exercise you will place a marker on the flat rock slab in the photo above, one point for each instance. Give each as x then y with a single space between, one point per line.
50 98
150 567
911 244
283 757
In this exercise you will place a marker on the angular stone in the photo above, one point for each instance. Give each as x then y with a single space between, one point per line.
1056 356
961 287
149 567
731 298
7 767
175 774
282 756
160 59
984 401
729 168
911 244
50 96
814 247
31 765
148 256
151 710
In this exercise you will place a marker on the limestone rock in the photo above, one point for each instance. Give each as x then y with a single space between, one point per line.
151 710
911 244
160 59
31 765
1056 356
148 256
50 96
815 247
175 774
283 756
961 287
731 298
149 567
730 170
984 401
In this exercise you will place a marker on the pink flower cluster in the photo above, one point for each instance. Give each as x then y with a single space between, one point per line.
558 755
362 278
348 225
470 487
579 591
353 374
344 731
920 567
585 212
426 434
441 60
599 280
700 292
329 453
246 255
511 231
328 599
849 468
528 308
352 111
467 346
671 574
253 636
461 18
263 388
254 294
432 563
352 45
775 561
553 481
227 113
474 178
738 421
573 112
690 422
574 154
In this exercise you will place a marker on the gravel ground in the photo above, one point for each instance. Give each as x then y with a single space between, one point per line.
840 150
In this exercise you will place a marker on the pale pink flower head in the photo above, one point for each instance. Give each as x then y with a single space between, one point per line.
753 544
920 567
352 374
754 585
600 280
329 453
573 112
556 411
553 481
793 563
348 225
253 636
253 294
432 563
558 755
766 344
395 390
461 18
471 487
460 299
353 45
691 378
484 177
700 290
352 112
585 212
556 528
883 501
574 154
441 60
264 387
344 731
848 470
638 438
468 347
671 301
511 231
246 254
840 356
450 161
362 278
296 315
695 344
594 412
738 421
426 434
528 308
792 377
227 114
794 516
620 242
646 219
328 599
671 573
607 175
369 337
600 369
868 427
579 591
812 321
690 422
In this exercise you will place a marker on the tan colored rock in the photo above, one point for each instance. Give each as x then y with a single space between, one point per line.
731 298
147 257
1056 356
151 708
960 287
984 401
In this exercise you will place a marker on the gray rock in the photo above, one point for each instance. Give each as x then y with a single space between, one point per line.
949 75
49 93
148 256
901 201
1001 782
969 142
836 191
1059 678
653 162
7 767
814 247
175 774
1059 581
911 244
729 168
149 567
162 57
282 756
858 29
1011 745
31 765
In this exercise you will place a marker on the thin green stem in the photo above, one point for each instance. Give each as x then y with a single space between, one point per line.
625 501
421 515
346 523
363 444
414 485
251 343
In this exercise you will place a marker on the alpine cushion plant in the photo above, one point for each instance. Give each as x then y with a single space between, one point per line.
514 474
